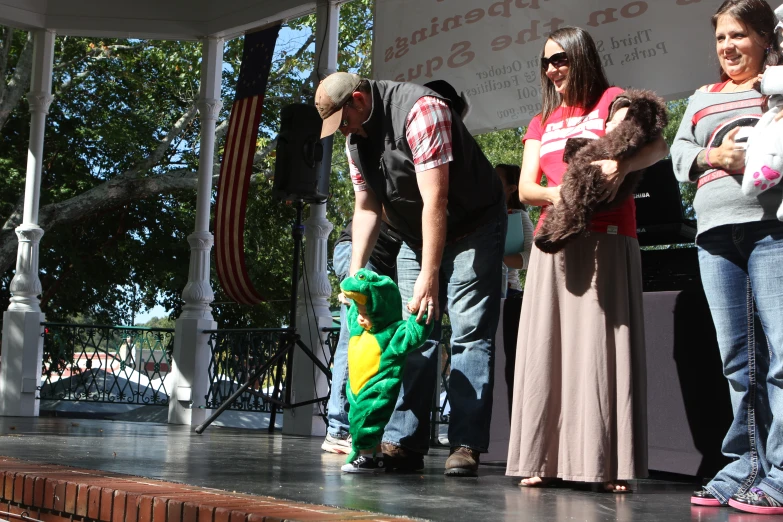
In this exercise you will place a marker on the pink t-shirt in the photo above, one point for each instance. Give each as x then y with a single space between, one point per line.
572 122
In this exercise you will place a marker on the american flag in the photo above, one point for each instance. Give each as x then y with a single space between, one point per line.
237 166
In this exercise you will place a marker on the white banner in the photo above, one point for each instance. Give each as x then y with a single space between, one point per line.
491 49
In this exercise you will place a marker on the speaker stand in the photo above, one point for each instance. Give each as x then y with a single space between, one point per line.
288 341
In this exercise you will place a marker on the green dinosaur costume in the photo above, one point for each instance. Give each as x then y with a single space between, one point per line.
376 356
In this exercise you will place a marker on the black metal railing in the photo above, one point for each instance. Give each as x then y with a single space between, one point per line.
127 364
114 364
332 338
236 354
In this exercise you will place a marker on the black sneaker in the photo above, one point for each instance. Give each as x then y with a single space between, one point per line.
364 464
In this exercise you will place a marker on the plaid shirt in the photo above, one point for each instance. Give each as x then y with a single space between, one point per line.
429 136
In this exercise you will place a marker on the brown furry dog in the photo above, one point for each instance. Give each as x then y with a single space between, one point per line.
583 190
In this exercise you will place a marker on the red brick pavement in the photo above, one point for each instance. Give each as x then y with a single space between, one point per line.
53 493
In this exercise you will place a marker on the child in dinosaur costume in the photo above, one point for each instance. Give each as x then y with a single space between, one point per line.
380 341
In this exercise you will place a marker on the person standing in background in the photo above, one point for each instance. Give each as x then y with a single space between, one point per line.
514 262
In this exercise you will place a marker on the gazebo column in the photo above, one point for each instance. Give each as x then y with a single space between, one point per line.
314 289
22 351
189 379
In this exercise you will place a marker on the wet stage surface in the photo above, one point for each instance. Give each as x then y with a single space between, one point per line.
295 468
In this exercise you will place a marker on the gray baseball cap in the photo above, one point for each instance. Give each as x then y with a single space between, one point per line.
332 94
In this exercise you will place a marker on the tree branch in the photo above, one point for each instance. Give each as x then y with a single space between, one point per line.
98 55
7 36
11 93
17 83
164 144
70 82
98 51
57 280
261 176
16 214
264 151
221 130
300 51
112 194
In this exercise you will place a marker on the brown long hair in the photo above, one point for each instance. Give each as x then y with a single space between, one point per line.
510 174
586 80
757 15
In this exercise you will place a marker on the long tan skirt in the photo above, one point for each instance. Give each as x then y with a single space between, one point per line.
580 391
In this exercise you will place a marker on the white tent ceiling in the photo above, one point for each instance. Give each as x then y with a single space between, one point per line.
150 19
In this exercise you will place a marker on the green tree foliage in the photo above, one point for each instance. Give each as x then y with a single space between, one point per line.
123 117
506 147
114 103
688 190
502 146
159 322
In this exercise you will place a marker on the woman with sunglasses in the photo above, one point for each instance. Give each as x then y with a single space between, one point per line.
579 388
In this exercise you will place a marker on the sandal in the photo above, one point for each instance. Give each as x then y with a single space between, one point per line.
538 482
616 486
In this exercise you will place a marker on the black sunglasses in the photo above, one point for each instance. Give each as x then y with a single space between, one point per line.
557 60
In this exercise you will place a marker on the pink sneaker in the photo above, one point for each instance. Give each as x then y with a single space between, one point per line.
758 502
704 498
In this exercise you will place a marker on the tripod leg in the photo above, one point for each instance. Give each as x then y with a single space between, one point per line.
276 395
223 407
289 376
326 371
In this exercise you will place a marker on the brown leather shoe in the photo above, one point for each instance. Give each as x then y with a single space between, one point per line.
462 462
401 459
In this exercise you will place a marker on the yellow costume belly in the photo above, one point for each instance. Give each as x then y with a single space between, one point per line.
364 360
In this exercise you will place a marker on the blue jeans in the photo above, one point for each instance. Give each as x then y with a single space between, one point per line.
337 407
742 274
469 288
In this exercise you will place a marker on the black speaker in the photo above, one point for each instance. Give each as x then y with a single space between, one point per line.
660 219
299 155
658 199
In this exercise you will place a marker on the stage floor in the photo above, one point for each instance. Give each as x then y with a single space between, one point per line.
295 468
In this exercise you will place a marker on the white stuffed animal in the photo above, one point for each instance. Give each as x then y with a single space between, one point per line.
764 153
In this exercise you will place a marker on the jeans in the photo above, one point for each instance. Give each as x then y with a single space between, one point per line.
469 288
742 274
337 407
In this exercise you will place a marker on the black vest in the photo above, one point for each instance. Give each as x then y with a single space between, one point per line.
385 160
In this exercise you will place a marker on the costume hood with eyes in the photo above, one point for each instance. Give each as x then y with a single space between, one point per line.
583 189
376 357
764 154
